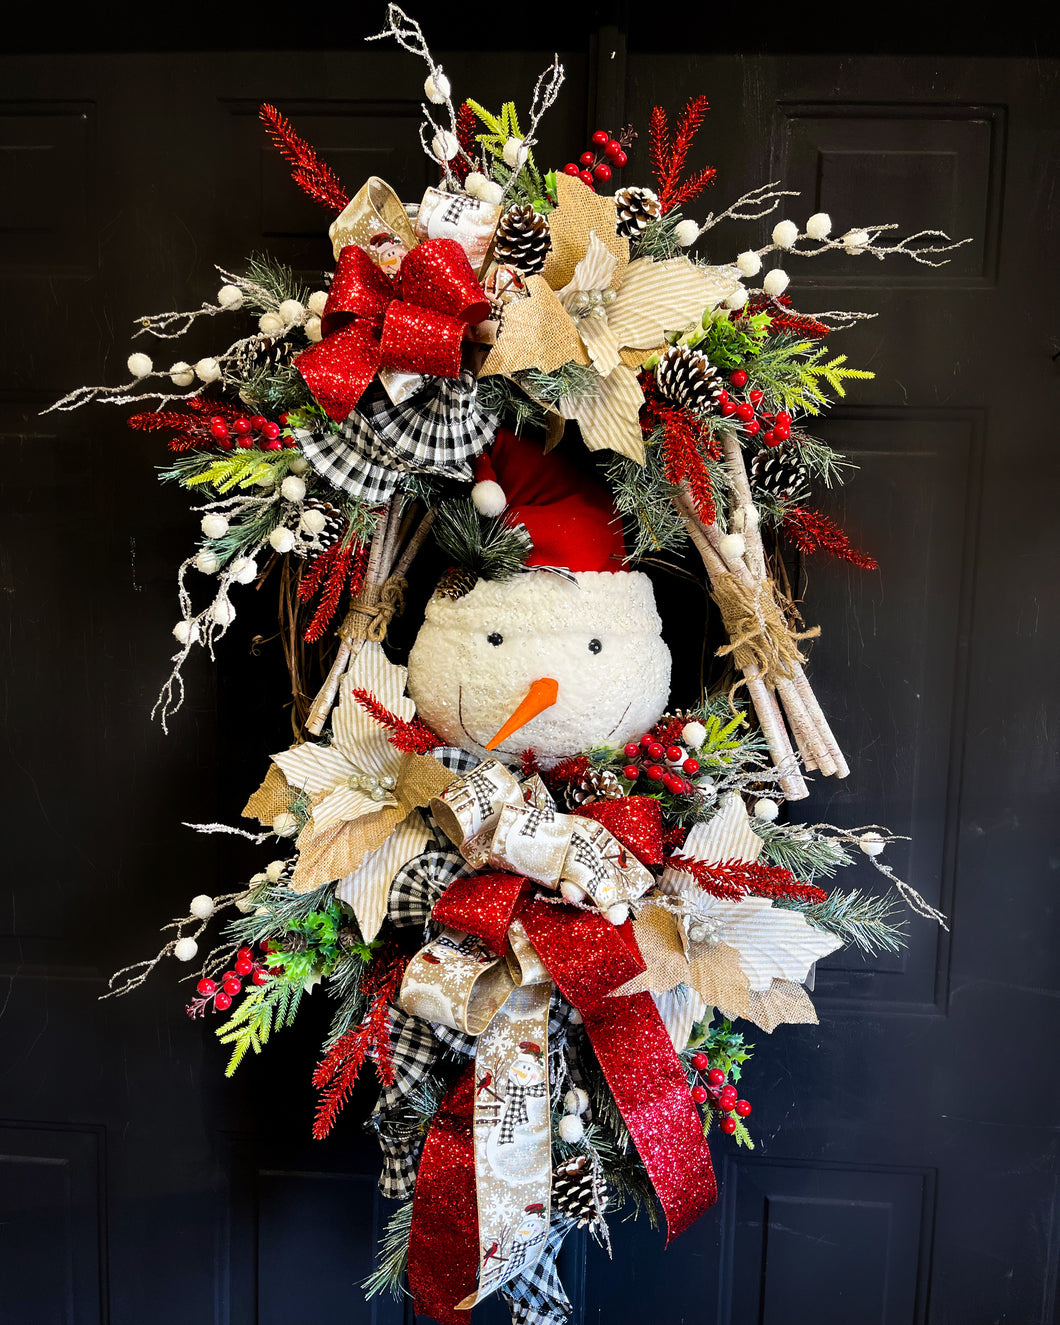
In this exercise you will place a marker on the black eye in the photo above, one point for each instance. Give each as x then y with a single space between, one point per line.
494 639
595 646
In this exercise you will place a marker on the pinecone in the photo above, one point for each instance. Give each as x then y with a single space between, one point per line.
636 207
456 582
262 352
522 239
294 943
686 377
577 1191
348 936
777 471
597 784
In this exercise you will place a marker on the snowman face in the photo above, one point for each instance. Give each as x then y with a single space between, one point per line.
526 1071
475 659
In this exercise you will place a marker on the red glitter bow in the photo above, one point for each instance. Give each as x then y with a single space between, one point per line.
413 322
587 957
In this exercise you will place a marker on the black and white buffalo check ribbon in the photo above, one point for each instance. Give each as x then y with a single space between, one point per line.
536 1297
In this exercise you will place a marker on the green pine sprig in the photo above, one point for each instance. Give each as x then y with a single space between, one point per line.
262 1010
859 919
489 547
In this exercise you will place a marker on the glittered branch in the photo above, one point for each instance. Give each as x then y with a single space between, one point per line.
413 737
811 532
313 176
668 155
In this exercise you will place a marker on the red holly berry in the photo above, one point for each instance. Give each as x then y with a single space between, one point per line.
244 966
728 407
716 1076
700 1062
632 750
655 772
673 785
646 740
656 750
739 378
283 419
743 1108
586 177
587 158
770 438
270 430
260 977
613 148
225 443
756 397
600 138
745 412
219 429
752 428
571 169
674 753
727 1096
728 1126
232 986
602 172
781 431
691 767
273 444
245 441
206 987
241 424
631 771
620 159
257 422
699 1094
265 945
721 397
222 1002
784 417
245 955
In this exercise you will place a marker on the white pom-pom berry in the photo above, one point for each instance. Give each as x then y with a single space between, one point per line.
707 788
274 870
515 153
474 182
201 906
766 810
313 521
785 234
207 561
571 892
576 1100
214 525
749 263
292 311
139 365
285 824
488 498
292 488
298 465
230 297
208 370
776 282
281 540
871 843
444 145
492 192
436 87
271 324
694 734
185 632
737 299
617 914
182 374
732 546
571 1129
223 612
855 242
686 232
244 570
313 329
185 949
819 226
317 302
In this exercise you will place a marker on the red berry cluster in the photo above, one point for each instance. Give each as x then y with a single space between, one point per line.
246 433
221 992
720 1096
595 164
747 414
660 763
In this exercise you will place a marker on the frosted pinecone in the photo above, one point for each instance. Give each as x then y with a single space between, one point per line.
635 207
686 377
262 352
577 1191
456 582
597 784
522 239
778 472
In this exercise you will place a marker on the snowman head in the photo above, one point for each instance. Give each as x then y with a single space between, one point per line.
527 1068
554 662
476 660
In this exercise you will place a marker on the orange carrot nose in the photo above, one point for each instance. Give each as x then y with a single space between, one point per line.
542 694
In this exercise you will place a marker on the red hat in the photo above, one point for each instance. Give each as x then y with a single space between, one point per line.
568 513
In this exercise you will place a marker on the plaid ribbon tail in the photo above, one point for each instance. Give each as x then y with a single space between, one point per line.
537 1297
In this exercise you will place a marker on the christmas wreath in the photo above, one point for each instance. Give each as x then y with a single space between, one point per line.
540 899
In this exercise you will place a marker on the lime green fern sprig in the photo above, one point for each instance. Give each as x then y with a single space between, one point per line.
526 179
262 1010
793 375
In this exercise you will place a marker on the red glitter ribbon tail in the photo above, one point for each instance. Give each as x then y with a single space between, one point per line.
443 1239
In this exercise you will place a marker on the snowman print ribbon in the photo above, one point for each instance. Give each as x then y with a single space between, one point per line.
489 974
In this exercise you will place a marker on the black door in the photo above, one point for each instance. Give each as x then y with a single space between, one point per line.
905 1169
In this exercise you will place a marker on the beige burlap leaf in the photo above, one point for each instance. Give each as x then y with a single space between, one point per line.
580 211
786 1002
273 797
536 332
662 943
